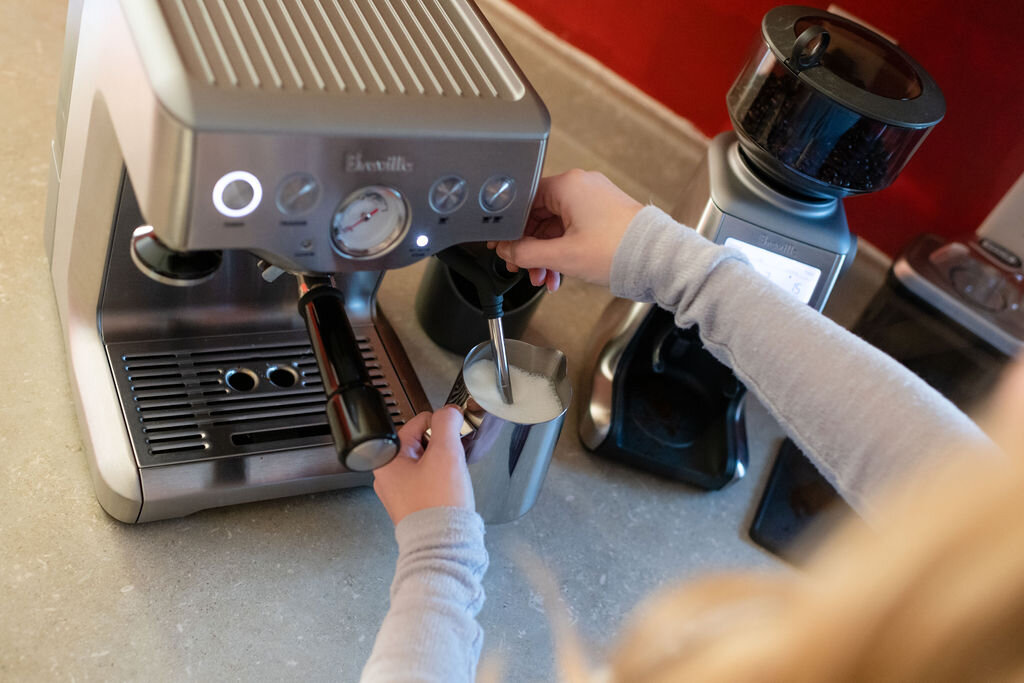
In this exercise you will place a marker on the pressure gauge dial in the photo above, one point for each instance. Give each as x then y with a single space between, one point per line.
370 221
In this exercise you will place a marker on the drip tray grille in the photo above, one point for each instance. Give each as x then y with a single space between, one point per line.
203 398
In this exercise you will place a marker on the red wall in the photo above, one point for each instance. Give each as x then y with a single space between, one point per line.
686 54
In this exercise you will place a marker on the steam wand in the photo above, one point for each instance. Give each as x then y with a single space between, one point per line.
500 358
487 272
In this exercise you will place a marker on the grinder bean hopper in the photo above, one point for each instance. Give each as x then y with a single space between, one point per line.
823 109
216 163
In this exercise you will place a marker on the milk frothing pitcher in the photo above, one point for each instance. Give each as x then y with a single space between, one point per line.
508 460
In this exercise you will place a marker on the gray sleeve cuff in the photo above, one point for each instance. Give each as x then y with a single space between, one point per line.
457 529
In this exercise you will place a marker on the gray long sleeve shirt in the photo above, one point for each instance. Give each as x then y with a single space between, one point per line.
863 419
430 633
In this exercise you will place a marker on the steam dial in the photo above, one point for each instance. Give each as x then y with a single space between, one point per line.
369 222
497 193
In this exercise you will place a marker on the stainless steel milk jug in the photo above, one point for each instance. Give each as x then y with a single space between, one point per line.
509 460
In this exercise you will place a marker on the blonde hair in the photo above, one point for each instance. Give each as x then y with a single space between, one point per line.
935 593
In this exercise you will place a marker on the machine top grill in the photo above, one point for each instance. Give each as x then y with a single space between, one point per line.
402 48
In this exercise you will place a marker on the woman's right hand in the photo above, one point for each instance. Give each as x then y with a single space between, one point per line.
576 223
419 478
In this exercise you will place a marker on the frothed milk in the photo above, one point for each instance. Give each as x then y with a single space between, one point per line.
534 397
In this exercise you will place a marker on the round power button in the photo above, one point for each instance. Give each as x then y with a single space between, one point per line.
237 194
497 193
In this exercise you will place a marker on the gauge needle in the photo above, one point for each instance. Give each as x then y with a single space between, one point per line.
366 217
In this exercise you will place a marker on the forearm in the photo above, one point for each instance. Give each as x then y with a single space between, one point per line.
861 416
430 632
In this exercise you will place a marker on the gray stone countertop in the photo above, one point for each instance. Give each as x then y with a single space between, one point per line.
291 589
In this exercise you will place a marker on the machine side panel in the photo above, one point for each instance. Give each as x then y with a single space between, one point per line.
86 204
111 109
67 79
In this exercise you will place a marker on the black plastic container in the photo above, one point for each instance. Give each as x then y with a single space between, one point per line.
829 108
448 309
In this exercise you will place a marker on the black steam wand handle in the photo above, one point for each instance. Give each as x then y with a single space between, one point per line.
364 435
485 270
487 273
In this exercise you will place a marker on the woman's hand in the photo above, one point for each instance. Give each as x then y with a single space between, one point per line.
418 479
576 223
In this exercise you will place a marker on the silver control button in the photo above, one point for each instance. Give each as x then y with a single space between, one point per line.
448 194
497 193
298 194
237 194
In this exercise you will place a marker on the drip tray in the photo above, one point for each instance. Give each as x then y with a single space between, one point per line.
207 398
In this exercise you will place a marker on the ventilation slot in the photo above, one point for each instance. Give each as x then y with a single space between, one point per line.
272 435
186 448
157 384
170 427
145 357
150 374
180 444
393 47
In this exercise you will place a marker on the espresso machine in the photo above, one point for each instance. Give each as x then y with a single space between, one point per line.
229 184
823 109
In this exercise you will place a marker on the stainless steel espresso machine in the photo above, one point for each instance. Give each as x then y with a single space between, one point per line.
823 109
229 183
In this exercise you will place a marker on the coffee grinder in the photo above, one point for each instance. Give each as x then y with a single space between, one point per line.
216 164
823 109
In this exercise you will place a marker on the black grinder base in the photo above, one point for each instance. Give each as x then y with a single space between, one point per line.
676 410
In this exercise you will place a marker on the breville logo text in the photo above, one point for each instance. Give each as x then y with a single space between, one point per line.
354 163
777 247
